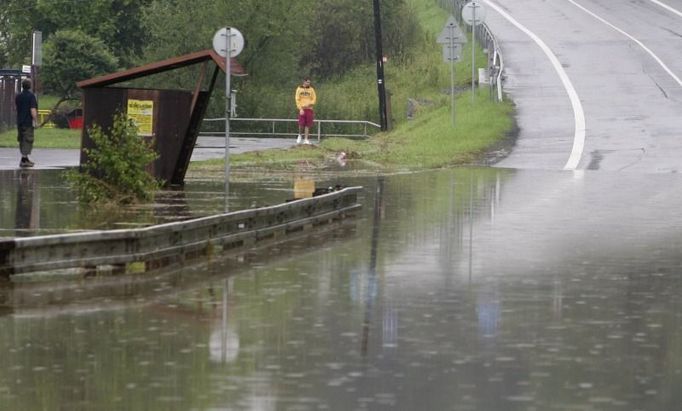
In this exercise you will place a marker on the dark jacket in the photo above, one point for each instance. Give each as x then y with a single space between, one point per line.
25 101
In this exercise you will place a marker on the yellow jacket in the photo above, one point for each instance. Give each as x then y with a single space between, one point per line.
305 97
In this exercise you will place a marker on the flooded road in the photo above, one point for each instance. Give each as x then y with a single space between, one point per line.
467 289
40 202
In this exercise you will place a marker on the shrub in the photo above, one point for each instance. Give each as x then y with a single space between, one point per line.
116 166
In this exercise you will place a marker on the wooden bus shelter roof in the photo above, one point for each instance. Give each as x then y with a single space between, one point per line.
161 66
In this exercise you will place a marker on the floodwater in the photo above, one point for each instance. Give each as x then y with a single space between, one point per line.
40 202
467 289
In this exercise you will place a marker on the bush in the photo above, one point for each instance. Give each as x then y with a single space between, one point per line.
115 170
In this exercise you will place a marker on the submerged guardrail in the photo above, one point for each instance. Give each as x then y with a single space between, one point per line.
164 244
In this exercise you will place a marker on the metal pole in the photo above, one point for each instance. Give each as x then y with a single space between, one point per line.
471 225
223 328
452 73
228 52
473 50
380 68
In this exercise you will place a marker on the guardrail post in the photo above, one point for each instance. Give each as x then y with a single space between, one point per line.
319 130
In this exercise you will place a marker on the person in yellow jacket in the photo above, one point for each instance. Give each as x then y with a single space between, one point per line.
305 100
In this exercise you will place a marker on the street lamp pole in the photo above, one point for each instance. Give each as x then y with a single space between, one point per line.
381 83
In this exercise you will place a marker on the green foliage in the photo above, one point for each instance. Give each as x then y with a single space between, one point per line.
71 56
428 142
343 30
343 34
272 31
116 22
417 73
285 40
16 26
431 141
115 170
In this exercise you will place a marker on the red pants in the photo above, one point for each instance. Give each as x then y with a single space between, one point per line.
306 119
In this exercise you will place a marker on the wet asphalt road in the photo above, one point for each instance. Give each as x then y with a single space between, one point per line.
622 60
206 148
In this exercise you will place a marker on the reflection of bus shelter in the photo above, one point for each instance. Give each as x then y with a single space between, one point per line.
169 118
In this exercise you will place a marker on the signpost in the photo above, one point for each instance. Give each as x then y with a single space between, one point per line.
381 83
473 13
452 38
228 42
36 60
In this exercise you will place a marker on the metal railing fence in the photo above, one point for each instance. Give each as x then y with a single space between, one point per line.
277 127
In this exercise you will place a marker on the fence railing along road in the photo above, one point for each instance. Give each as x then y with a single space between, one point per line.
277 127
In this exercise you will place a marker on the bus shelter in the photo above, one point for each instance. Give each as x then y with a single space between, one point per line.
170 119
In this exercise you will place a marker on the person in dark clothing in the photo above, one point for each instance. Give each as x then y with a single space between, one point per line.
27 116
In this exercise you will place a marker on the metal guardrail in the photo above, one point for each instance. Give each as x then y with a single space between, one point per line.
275 121
163 244
487 41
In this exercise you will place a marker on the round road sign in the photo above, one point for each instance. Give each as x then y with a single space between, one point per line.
236 41
473 13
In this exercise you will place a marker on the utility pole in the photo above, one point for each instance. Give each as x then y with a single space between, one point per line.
381 83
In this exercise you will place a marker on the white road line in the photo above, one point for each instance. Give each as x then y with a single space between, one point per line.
578 113
623 32
665 6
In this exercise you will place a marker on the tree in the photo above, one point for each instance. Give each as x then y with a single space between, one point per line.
71 56
272 30
116 22
275 42
16 26
285 40
343 33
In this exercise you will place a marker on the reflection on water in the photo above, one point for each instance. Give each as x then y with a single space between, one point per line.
303 187
37 202
27 212
469 289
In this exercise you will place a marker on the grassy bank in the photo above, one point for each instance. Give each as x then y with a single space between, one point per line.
429 141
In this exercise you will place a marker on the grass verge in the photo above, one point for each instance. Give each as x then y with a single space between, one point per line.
430 141
45 138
